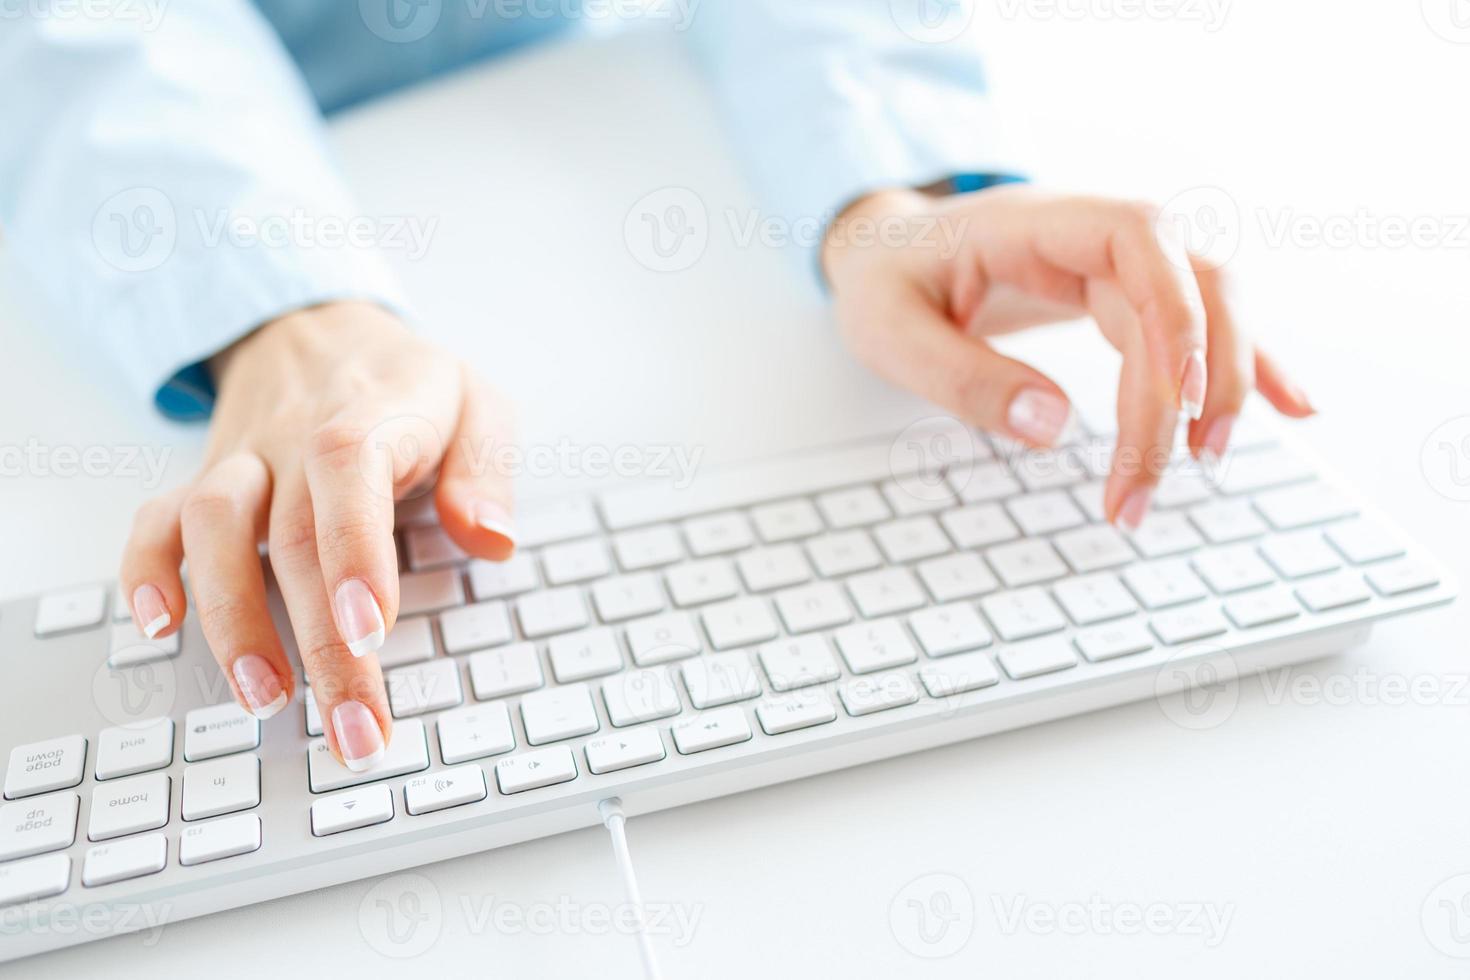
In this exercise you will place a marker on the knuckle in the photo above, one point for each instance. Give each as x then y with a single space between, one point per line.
292 537
349 533
334 440
225 613
210 503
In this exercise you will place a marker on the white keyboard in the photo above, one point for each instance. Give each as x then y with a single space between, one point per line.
778 620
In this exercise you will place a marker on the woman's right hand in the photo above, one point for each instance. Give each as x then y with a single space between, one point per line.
325 417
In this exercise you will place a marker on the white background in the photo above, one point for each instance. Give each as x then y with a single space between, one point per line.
1320 824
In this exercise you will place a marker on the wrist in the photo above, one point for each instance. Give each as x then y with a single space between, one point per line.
309 334
855 227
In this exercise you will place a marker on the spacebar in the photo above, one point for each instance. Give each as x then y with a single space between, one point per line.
408 752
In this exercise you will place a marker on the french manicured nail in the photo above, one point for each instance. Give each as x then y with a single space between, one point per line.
359 618
1135 508
1192 387
495 518
150 611
1038 415
359 738
259 685
1217 437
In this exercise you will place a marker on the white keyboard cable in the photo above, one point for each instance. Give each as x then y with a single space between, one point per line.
611 810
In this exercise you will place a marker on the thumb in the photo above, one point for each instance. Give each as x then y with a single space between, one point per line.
918 348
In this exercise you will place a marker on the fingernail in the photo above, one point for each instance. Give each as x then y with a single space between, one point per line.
1038 415
259 685
150 611
1135 508
1192 387
495 518
358 617
359 738
1217 438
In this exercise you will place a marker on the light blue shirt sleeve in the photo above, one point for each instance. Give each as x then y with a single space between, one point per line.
167 188
831 99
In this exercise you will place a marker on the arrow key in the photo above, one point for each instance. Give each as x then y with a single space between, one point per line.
356 808
533 770
624 750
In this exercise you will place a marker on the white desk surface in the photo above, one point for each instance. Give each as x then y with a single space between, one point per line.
1318 823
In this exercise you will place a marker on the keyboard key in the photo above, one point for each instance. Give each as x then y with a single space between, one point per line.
719 679
38 877
130 749
1261 607
551 611
41 767
1047 469
958 576
1089 497
129 647
627 596
431 686
557 713
852 508
444 789
711 730
1022 614
407 752
879 692
476 627
739 623
698 582
1247 472
1188 624
352 810
1026 563
120 611
911 539
428 547
1114 640
219 730
1044 513
947 630
1227 521
313 714
131 806
475 732
1333 592
799 662
820 605
425 592
1362 542
884 592
983 482
1181 488
502 579
879 645
788 520
411 641
1233 568
659 639
533 770
1091 549
1163 534
37 825
959 675
777 567
1096 598
60 612
547 522
575 561
124 859
1300 554
1161 584
718 534
624 750
1026 660
917 494
219 839
583 655
639 696
505 671
648 547
793 712
1301 506
221 786
835 555
1402 577
978 526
